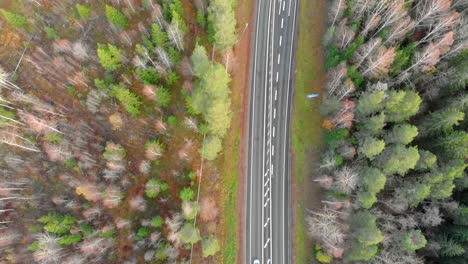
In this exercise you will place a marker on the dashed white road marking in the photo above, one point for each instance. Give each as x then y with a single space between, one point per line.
277 76
276 94
282 22
274 131
274 113
279 58
266 192
284 5
266 223
266 203
281 40
266 244
273 150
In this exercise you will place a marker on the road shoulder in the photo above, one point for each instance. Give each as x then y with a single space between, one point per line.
306 122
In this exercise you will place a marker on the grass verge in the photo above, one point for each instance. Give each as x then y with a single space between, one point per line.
306 123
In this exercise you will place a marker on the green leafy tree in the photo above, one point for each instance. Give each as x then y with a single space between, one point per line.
153 188
222 20
116 17
372 180
413 240
402 134
211 99
130 101
366 199
371 126
211 147
361 252
189 234
163 96
190 209
364 228
440 121
451 146
70 240
83 11
402 59
16 20
157 222
397 159
413 193
335 137
187 194
51 33
148 75
110 56
159 36
450 248
401 105
200 61
142 233
370 103
427 160
57 224
210 246
371 147
172 78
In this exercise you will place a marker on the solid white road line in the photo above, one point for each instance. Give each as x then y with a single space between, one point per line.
286 121
252 130
264 116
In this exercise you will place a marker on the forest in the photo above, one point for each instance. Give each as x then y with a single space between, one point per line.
110 113
393 172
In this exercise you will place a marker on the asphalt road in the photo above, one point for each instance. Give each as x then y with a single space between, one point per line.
268 210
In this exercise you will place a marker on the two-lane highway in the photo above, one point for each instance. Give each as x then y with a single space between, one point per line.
268 187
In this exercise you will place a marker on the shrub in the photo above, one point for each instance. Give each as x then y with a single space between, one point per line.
16 20
153 188
110 56
163 96
142 233
130 101
172 78
187 194
157 222
336 136
83 11
148 75
116 17
211 147
356 77
54 138
70 240
57 224
210 246
51 33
